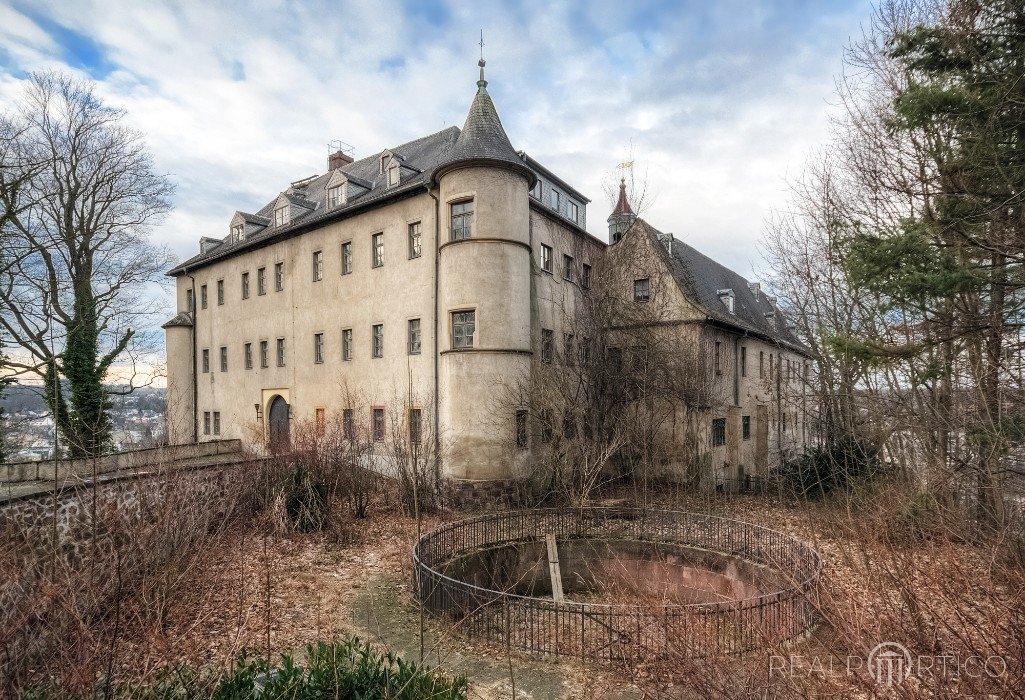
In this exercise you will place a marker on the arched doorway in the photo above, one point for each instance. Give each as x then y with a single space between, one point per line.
278 424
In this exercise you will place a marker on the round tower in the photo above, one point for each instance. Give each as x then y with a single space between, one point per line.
483 297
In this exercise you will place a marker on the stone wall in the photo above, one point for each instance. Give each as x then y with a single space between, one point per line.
42 471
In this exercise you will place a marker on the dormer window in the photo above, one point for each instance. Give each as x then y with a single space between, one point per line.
393 176
336 195
728 299
574 212
281 216
536 192
556 200
238 232
384 161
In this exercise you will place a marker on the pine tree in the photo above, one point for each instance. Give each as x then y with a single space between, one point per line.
955 265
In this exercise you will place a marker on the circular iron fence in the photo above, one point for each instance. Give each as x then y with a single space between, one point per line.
614 631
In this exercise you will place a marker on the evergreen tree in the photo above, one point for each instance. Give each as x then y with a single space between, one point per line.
954 265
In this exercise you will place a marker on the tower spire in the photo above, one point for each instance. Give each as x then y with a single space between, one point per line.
481 83
622 216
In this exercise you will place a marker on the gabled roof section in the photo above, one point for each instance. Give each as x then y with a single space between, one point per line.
420 157
182 320
242 217
483 138
701 279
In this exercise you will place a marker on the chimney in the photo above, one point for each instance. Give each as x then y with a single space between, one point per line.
667 240
338 159
755 288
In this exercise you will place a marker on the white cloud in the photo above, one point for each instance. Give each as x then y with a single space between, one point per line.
719 101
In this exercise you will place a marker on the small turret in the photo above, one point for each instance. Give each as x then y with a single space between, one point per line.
622 217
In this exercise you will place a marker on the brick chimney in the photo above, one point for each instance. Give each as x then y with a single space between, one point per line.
338 159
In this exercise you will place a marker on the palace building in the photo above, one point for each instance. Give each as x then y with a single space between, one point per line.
423 277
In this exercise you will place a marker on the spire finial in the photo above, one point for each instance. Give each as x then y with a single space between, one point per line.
482 83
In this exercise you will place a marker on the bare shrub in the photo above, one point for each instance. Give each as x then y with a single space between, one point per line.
126 554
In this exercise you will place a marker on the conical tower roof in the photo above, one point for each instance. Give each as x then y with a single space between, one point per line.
623 205
483 140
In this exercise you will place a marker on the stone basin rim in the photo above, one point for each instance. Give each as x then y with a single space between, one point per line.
627 514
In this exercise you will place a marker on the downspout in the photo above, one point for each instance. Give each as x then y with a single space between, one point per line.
437 346
195 377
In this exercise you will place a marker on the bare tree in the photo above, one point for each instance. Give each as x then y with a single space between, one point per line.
78 196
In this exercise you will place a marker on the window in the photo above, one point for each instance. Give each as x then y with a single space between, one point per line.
279 276
281 352
771 364
377 341
261 281
206 360
546 425
743 361
642 289
574 212
206 422
346 258
281 216
245 285
336 195
547 345
393 176
202 296
585 276
567 267
346 344
318 348
384 162
521 429
217 422
377 253
556 200
462 220
415 425
718 357
546 258
377 423
761 364
414 240
536 192
247 355
190 304
238 232
224 359
464 324
414 336
615 358
220 292
319 420
348 423
745 427
718 432
264 361
568 348
784 421
318 265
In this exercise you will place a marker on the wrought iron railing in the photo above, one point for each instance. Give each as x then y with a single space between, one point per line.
631 629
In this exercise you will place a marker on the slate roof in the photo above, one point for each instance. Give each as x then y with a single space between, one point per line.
483 137
184 320
700 279
424 154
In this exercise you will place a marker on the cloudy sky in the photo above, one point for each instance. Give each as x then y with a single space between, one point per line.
719 102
